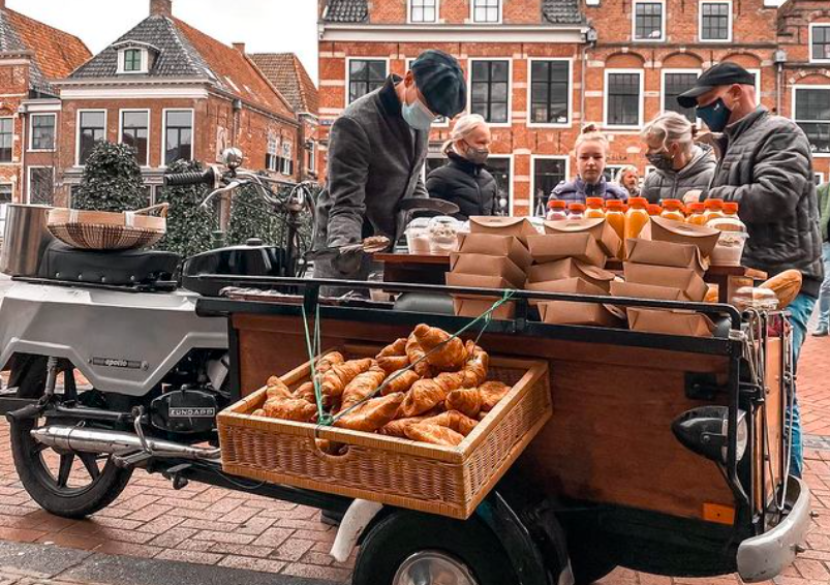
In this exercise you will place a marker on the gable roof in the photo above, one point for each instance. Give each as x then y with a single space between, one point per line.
55 53
286 72
181 51
346 11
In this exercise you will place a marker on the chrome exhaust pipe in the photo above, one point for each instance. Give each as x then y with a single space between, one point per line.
117 443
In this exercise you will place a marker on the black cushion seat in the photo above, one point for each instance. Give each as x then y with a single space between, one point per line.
116 267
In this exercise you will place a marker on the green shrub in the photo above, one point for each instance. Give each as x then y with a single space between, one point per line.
111 181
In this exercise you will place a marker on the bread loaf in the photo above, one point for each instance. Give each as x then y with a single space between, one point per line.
786 287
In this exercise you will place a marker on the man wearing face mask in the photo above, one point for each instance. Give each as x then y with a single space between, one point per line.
766 167
465 181
376 155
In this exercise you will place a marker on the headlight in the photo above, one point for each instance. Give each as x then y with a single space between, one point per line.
705 431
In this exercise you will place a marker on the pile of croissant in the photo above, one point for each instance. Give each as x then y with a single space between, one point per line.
429 387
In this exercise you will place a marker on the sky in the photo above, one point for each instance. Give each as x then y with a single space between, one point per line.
275 26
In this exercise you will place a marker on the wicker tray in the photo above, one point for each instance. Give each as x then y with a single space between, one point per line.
101 230
450 481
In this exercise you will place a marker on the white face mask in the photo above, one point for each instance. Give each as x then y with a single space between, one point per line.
417 115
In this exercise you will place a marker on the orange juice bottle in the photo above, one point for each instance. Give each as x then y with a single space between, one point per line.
730 210
696 215
615 216
595 209
557 210
637 217
714 209
673 209
655 210
576 211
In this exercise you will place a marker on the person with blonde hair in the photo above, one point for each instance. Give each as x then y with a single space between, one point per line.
465 180
680 165
628 178
591 150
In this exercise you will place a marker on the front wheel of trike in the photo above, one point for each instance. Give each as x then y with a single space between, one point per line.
408 547
64 483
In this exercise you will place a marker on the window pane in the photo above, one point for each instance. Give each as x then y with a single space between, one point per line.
500 169
135 133
92 130
6 139
624 99
179 137
648 20
365 76
715 21
676 84
132 60
41 186
486 10
547 174
43 132
550 87
812 114
490 90
821 42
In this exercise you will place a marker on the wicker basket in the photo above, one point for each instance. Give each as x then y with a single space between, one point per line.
101 230
450 481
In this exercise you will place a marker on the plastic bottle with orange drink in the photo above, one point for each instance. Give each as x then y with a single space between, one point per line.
696 214
714 209
576 211
673 209
637 217
557 210
594 208
654 210
615 216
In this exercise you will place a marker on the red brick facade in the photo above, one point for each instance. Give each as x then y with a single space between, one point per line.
529 152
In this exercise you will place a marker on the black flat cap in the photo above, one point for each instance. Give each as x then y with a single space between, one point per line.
720 74
441 81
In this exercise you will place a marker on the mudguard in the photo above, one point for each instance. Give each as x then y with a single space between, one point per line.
122 342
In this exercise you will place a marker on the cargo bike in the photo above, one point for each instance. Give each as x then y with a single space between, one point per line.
659 453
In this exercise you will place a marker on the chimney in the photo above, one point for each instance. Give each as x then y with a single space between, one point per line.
238 46
159 7
2 4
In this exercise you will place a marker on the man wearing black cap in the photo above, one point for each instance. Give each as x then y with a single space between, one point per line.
766 167
377 150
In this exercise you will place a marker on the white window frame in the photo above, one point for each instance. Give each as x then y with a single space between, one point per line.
813 25
78 131
2 205
512 170
29 181
820 177
533 159
757 74
163 159
700 21
122 61
473 14
14 135
663 35
276 155
32 133
606 94
290 166
509 60
409 13
349 68
530 122
312 158
145 164
795 89
663 74
446 122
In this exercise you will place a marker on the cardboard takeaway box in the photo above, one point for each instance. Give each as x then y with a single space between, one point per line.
576 285
493 245
484 265
661 229
519 227
670 322
646 291
660 253
686 279
570 268
575 313
473 306
600 230
581 247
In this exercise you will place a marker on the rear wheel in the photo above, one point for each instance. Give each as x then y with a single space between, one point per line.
65 483
407 548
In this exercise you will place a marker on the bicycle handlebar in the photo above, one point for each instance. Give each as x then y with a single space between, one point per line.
207 177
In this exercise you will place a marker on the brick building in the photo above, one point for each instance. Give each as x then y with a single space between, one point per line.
32 57
286 72
540 69
174 93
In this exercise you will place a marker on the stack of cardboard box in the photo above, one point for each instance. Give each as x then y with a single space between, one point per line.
493 255
570 259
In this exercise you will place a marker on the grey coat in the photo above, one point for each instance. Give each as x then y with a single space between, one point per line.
375 161
767 168
697 174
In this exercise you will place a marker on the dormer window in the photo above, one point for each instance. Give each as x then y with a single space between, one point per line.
135 57
132 60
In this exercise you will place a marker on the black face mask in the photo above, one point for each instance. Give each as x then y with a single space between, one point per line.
660 161
716 115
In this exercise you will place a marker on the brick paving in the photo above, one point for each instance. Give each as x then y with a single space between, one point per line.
211 526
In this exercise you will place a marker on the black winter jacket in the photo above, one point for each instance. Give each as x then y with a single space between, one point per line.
661 185
767 168
468 185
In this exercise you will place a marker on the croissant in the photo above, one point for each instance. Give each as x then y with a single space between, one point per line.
259 412
290 409
492 393
400 381
443 351
434 434
277 389
397 428
328 361
475 369
306 392
334 381
467 401
372 415
417 357
428 393
393 363
362 387
452 419
395 349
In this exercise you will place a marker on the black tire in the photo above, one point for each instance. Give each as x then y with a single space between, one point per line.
401 535
590 560
53 493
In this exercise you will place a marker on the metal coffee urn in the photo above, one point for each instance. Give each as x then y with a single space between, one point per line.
25 239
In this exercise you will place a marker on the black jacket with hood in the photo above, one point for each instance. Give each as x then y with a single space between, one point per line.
468 185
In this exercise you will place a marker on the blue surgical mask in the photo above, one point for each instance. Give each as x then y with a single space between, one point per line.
417 115
716 115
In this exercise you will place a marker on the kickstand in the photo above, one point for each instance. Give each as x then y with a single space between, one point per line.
174 474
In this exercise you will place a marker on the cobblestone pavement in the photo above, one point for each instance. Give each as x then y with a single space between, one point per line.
210 526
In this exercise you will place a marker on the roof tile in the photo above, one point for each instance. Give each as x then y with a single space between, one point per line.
287 74
347 11
562 11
